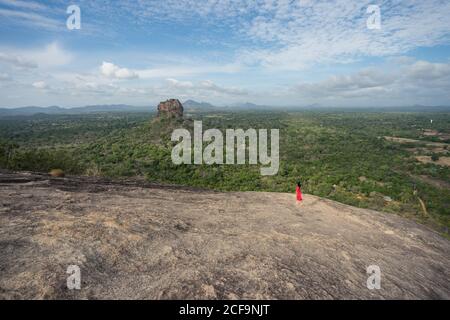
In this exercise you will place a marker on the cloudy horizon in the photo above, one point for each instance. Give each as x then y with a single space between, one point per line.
225 52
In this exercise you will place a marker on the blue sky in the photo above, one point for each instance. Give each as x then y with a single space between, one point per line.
272 52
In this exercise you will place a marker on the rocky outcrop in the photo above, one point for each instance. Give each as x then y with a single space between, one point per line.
136 240
171 108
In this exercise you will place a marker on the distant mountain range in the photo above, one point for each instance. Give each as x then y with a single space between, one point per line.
189 105
194 106
250 106
28 111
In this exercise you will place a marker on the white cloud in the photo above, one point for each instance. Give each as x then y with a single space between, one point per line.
424 70
202 88
188 69
335 31
285 35
293 35
31 18
5 77
180 84
211 86
413 80
364 79
261 40
112 71
52 55
92 85
17 60
40 85
32 5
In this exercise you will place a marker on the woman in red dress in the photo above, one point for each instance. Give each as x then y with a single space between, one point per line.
299 191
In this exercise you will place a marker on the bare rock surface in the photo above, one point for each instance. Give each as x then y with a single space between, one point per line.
134 240
171 108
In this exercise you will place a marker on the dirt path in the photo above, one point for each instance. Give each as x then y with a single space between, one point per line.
153 242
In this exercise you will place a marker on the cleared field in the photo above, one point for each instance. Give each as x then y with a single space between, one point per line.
443 161
405 140
433 181
435 133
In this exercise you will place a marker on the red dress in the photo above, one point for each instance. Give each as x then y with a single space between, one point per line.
299 194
